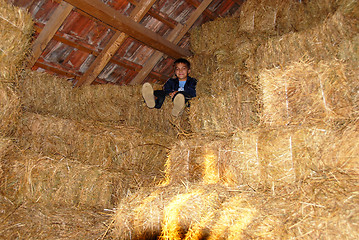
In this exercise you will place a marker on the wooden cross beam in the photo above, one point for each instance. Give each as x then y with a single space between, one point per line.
114 44
113 18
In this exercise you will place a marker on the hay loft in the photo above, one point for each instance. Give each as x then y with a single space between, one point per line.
269 148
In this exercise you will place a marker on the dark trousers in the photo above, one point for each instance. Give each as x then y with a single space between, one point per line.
160 97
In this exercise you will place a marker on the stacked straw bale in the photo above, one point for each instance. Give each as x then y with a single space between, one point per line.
349 50
214 212
10 110
225 104
46 94
215 35
279 17
265 157
308 93
36 221
231 51
57 181
289 168
95 143
321 42
16 29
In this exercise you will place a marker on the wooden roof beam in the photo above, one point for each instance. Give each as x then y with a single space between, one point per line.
175 36
206 12
113 45
113 18
54 23
131 66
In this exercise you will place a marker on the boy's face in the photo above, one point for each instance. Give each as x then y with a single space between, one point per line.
182 71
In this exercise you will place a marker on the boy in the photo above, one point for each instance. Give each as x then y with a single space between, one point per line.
180 89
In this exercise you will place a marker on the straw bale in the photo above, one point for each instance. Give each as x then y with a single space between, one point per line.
325 206
196 160
10 110
214 35
232 161
228 104
346 150
95 143
36 221
307 93
16 28
167 212
318 43
263 157
58 181
44 93
47 94
349 49
349 7
289 155
6 146
279 17
202 66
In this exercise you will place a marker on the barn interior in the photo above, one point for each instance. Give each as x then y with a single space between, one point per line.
268 149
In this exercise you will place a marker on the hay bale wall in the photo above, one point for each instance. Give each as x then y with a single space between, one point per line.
110 146
319 43
264 158
284 175
279 17
46 94
213 211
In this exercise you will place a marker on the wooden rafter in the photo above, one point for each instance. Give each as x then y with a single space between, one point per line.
56 20
114 44
175 36
113 18
206 12
129 65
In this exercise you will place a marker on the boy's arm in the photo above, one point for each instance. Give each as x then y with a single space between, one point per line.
168 87
190 88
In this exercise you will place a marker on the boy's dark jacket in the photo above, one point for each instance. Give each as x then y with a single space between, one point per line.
172 85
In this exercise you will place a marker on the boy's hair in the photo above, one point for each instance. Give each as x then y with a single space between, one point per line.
184 61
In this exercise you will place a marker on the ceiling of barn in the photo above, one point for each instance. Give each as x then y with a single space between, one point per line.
116 41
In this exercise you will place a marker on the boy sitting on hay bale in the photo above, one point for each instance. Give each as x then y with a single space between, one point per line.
180 89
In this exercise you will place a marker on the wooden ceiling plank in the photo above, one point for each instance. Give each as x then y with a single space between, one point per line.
114 44
113 18
134 67
54 23
175 36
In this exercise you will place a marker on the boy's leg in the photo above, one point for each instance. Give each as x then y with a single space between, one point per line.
160 97
148 96
178 104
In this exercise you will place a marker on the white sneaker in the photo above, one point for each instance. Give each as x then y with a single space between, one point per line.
147 94
178 105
